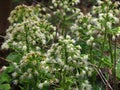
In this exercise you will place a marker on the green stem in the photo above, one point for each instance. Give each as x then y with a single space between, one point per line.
110 48
66 62
103 47
27 87
114 67
26 37
91 54
66 54
68 18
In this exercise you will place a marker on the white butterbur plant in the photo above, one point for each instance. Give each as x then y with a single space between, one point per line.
58 47
67 63
33 72
63 63
30 33
23 12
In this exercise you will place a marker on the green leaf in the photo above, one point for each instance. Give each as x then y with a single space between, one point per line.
5 87
114 30
69 81
15 57
4 78
106 62
9 69
118 70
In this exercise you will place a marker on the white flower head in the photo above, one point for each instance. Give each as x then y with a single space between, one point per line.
109 25
15 82
40 85
99 2
14 75
4 68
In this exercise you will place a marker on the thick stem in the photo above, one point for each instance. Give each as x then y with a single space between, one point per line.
27 87
103 47
110 47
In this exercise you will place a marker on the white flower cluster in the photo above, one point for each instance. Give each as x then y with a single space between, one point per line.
62 7
103 19
66 56
65 3
107 17
30 67
23 12
86 86
31 31
46 63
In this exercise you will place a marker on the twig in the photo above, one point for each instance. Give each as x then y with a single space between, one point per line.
5 60
102 77
2 36
107 83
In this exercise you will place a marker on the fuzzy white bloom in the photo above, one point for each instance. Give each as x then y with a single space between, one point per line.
15 82
116 20
89 32
85 58
53 1
45 82
44 9
4 68
29 76
43 62
74 2
73 41
94 44
109 25
77 74
15 65
79 47
77 1
116 3
68 37
74 27
29 70
110 15
83 73
14 43
99 2
118 34
47 68
60 38
14 75
75 56
37 48
94 21
24 47
90 40
69 58
117 12
94 9
60 61
40 85
86 86
5 46
51 7
113 37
